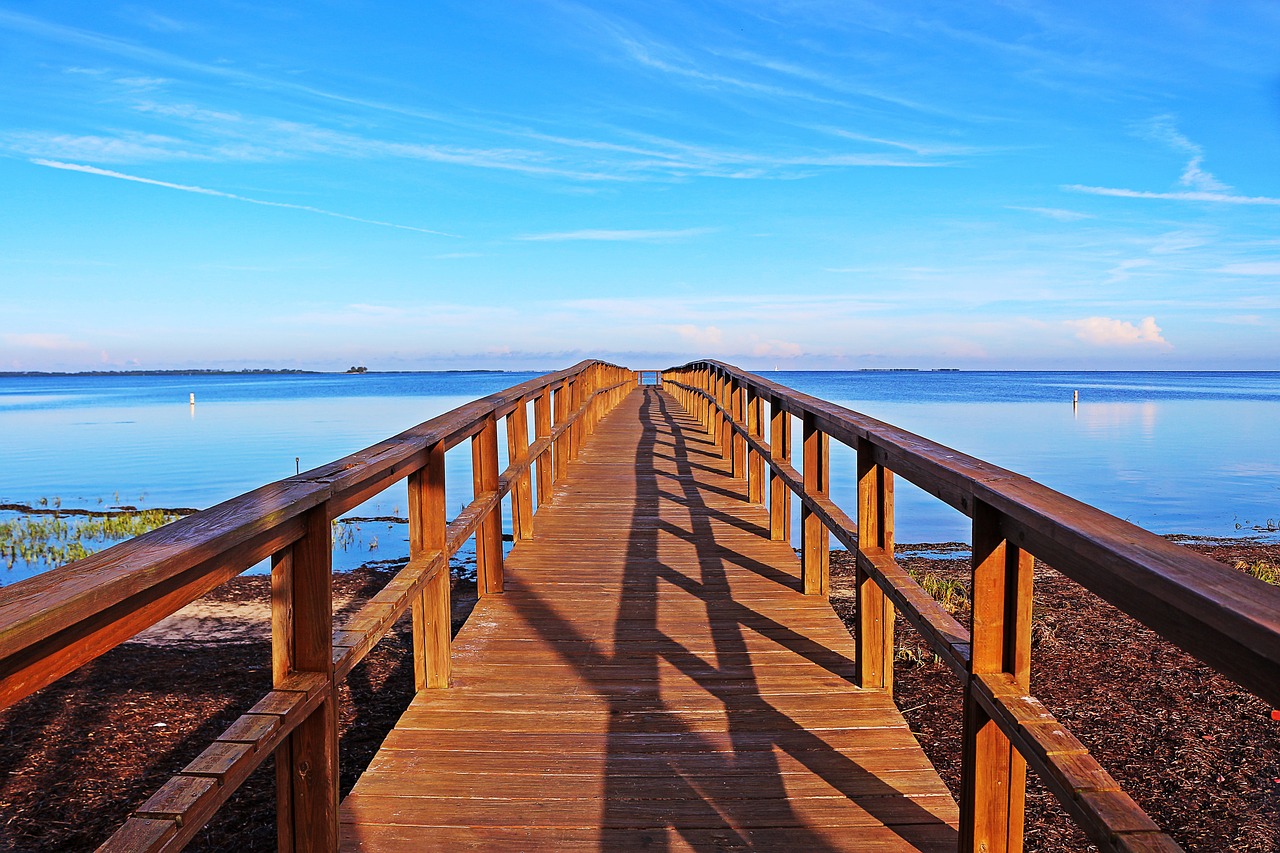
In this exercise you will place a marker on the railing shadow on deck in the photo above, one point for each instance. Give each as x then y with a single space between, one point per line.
1223 617
53 623
712 823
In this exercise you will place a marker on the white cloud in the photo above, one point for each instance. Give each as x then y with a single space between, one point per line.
1106 332
1057 213
1216 197
1162 129
107 173
126 147
707 337
42 341
1200 184
1252 268
618 235
780 349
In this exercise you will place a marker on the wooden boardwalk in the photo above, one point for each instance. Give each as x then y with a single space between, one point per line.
651 679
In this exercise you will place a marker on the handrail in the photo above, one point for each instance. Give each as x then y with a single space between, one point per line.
1225 618
55 622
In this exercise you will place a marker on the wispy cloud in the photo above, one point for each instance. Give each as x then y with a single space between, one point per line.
107 173
42 341
1200 184
1056 213
1252 268
1216 197
1104 331
607 235
1162 129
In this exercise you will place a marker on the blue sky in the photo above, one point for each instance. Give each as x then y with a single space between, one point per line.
520 185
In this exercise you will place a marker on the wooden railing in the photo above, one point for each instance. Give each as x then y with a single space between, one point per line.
1225 618
54 622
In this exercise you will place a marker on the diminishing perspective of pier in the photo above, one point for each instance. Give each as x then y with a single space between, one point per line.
653 677
651 666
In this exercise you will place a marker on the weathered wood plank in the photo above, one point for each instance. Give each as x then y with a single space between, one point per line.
653 663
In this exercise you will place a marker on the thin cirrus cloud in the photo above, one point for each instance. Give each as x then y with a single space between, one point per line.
617 235
1200 184
1056 213
1188 195
1252 268
107 173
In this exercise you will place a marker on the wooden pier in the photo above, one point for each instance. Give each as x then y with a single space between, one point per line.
652 678
651 666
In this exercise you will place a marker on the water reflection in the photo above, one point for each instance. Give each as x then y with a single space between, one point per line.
1176 453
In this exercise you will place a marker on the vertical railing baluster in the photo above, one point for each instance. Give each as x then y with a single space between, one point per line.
993 773
562 440
815 554
875 610
779 493
738 402
521 489
546 460
432 663
575 428
484 468
755 460
723 430
704 382
307 761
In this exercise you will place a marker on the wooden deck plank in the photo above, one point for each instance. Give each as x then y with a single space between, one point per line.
652 677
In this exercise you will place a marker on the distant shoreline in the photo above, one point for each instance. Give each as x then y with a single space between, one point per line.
253 372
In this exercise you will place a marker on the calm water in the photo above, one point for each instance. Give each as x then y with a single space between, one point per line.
1194 453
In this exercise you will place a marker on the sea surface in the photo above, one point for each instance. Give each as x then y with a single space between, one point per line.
1174 452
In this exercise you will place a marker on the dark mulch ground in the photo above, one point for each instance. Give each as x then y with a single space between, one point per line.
1199 754
79 756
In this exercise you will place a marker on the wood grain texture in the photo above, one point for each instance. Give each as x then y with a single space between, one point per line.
1224 617
652 675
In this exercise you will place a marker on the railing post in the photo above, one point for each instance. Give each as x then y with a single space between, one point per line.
815 546
875 610
725 430
432 625
738 404
562 440
484 468
575 428
755 461
546 460
302 641
521 489
779 494
993 773
703 380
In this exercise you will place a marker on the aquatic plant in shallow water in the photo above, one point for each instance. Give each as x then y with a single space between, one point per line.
54 541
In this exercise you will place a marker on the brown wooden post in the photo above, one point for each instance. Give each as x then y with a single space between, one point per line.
722 416
779 494
522 488
484 468
815 545
307 761
710 387
738 408
546 461
875 611
702 379
562 441
755 460
993 773
575 428
431 610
